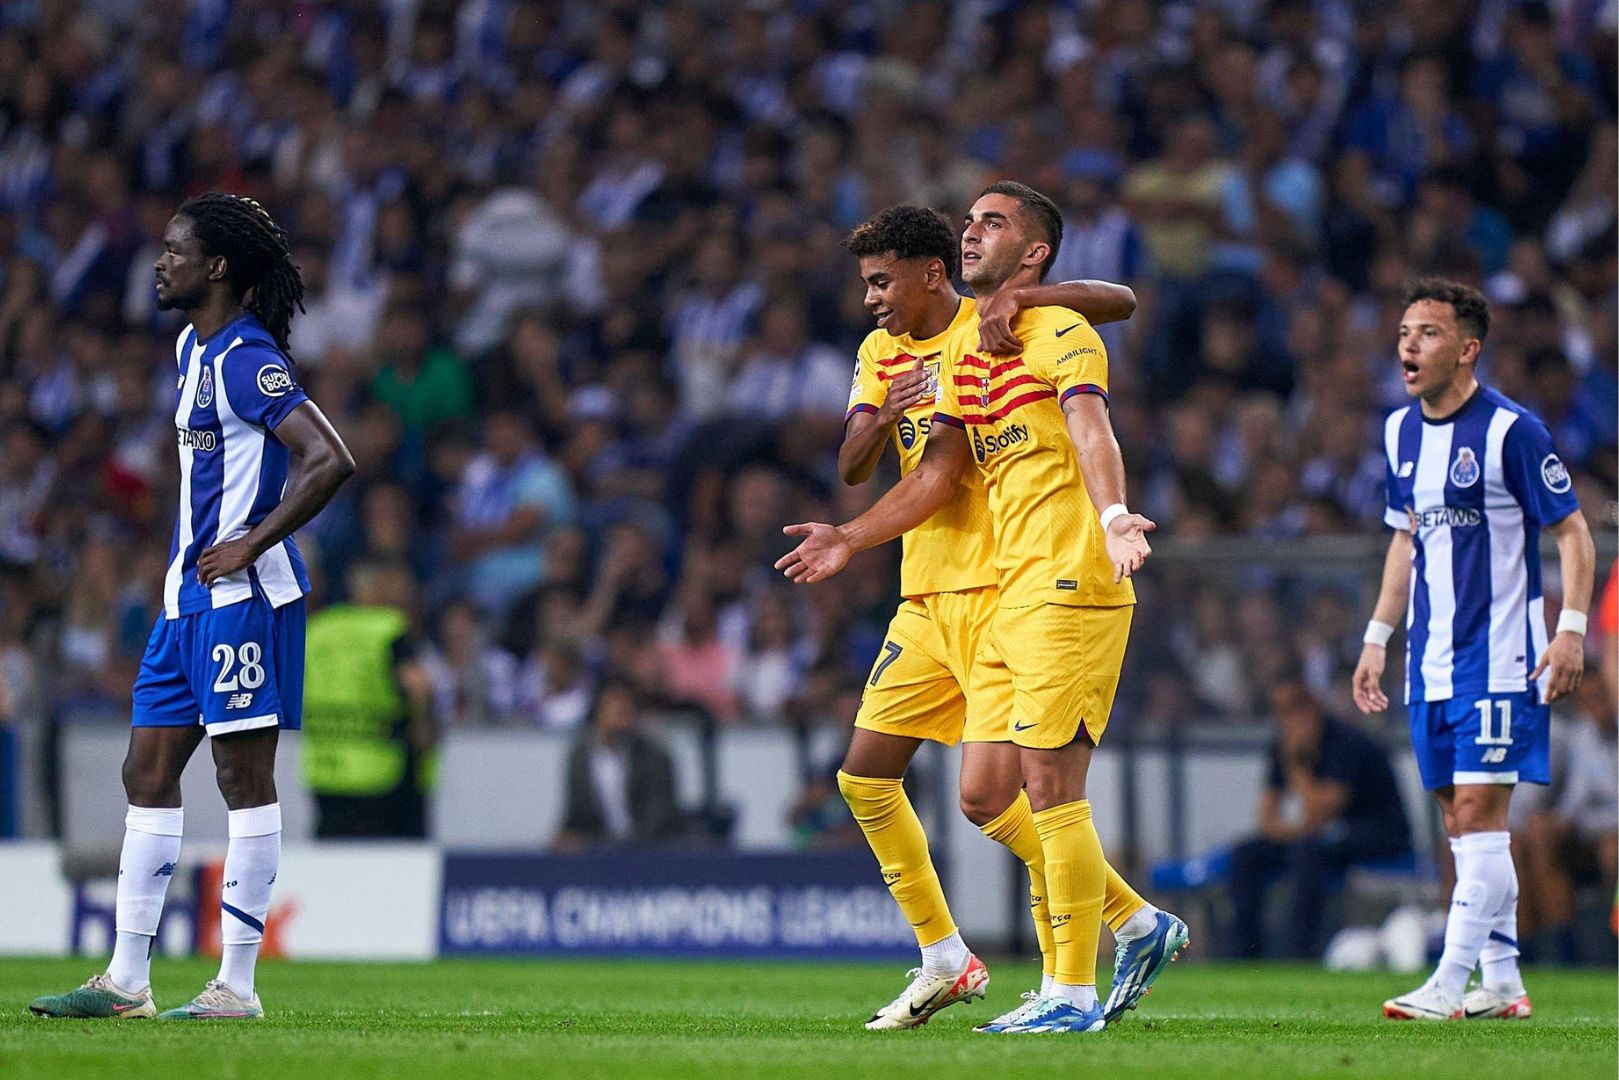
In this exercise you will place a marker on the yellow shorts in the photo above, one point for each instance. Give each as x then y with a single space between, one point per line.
920 686
1052 671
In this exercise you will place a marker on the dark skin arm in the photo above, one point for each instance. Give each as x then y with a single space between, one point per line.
1099 301
319 465
826 549
865 434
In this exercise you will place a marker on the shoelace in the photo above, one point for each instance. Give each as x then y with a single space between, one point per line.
915 975
217 995
1017 1014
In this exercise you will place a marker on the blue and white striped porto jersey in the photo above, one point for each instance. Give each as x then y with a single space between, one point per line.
1474 490
235 387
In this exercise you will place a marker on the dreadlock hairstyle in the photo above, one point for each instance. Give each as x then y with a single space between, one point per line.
256 257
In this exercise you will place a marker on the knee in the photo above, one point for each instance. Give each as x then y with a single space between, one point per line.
245 785
1478 815
147 783
981 808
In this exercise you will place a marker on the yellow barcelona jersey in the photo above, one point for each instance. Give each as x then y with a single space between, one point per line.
950 551
1048 537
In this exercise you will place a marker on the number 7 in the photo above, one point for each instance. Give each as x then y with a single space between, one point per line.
893 652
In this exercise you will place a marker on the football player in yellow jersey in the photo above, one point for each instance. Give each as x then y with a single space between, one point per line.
918 687
1036 425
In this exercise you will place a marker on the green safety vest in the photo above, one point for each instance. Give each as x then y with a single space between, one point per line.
354 712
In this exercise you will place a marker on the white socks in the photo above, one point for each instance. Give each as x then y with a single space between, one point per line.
251 861
151 849
1142 923
947 956
1485 879
1499 957
1081 997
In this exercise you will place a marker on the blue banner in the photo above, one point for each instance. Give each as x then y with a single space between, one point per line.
678 903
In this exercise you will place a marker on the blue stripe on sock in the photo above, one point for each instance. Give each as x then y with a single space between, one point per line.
1496 935
244 916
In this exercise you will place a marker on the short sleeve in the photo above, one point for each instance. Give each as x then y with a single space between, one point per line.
947 403
1068 355
1394 512
867 392
260 384
1535 475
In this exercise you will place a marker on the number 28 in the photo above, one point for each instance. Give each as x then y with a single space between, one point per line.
239 668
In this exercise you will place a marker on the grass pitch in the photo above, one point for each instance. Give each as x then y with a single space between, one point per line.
584 1020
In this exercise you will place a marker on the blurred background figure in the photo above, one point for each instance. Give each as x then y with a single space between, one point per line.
369 734
621 783
1330 801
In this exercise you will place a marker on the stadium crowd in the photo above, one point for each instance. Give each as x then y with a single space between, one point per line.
577 302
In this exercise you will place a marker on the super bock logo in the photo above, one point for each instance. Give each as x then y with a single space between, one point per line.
1554 474
274 380
1464 471
205 388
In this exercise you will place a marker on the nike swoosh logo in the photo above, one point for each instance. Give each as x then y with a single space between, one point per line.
928 1003
1060 333
1025 727
119 1007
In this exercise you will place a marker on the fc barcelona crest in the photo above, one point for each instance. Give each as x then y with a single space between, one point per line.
1464 471
205 388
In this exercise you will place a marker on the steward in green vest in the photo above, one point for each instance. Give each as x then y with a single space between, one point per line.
367 738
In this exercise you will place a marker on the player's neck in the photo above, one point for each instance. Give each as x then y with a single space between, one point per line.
1448 401
1025 276
941 313
212 315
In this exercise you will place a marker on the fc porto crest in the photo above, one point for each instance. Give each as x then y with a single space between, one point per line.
205 388
1465 471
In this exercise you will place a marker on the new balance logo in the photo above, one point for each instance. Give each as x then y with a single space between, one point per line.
238 701
166 870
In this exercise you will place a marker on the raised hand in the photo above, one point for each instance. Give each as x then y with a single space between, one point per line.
909 388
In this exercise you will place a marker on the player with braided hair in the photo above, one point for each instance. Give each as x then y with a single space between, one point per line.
226 657
258 263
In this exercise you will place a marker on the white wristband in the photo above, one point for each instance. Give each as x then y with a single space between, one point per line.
1378 633
1575 621
1112 512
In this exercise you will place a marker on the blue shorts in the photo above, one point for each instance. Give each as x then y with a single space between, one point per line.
1482 739
231 669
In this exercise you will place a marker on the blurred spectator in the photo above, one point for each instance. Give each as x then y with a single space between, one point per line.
1330 801
1568 834
474 680
508 497
621 782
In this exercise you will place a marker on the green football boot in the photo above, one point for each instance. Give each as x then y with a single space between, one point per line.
100 998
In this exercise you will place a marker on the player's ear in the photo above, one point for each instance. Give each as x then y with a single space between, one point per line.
1037 253
1470 350
934 275
217 268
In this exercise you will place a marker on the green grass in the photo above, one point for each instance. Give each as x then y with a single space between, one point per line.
584 1020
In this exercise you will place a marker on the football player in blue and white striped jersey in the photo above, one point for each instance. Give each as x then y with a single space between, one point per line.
257 460
1473 479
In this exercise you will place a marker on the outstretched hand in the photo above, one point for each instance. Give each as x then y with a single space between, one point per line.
1126 542
823 552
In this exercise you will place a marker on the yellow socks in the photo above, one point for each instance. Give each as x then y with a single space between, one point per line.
895 834
1015 829
1076 878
